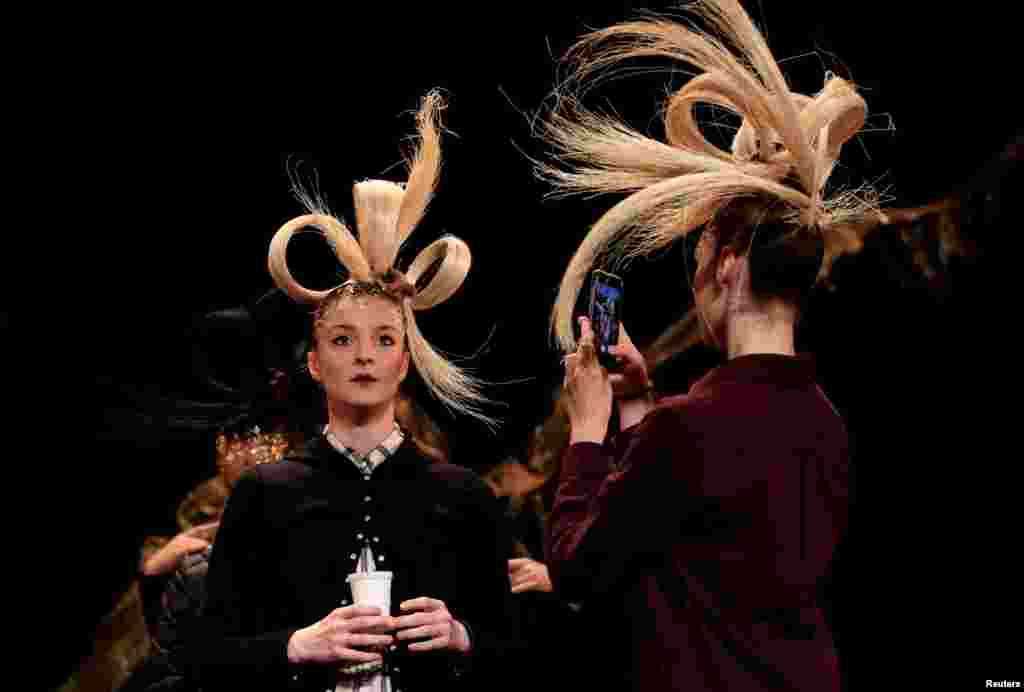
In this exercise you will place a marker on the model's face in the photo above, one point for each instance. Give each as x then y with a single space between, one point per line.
360 356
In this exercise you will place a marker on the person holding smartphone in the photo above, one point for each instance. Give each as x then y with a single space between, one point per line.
363 495
606 299
697 537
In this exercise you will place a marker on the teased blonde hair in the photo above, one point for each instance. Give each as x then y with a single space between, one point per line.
386 214
784 150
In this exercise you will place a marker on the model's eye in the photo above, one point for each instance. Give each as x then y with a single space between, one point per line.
342 340
387 340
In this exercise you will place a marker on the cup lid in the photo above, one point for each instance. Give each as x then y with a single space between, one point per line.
368 575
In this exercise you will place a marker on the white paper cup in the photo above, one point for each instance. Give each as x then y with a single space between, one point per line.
371 589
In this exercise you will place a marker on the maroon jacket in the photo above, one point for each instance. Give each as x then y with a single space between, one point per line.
695 540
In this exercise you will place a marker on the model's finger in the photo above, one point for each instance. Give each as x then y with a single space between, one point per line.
422 603
439 643
516 565
370 640
585 349
624 339
357 655
524 586
424 631
404 622
354 611
370 623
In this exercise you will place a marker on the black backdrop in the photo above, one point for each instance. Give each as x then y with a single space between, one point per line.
180 150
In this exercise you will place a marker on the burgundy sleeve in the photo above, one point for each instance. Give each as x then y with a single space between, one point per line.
614 505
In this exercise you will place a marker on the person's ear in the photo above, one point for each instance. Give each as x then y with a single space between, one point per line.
314 365
727 270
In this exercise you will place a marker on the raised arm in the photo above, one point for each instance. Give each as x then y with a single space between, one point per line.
614 504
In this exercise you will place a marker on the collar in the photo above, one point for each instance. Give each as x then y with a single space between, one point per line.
369 462
759 368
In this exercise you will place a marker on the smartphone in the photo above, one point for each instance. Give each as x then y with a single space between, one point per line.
605 314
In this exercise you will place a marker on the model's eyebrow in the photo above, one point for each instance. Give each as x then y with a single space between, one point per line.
379 327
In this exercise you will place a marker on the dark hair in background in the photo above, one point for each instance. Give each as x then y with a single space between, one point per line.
247 369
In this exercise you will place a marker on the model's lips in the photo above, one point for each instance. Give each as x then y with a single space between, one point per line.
364 378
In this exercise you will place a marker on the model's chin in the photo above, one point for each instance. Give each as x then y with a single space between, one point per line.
367 395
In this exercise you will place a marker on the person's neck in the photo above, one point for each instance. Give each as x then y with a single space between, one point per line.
766 330
361 428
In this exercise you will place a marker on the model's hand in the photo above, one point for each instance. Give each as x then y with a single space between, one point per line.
429 626
631 384
588 390
341 635
632 374
529 575
170 556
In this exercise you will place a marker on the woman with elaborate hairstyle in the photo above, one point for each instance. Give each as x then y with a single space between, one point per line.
363 495
697 537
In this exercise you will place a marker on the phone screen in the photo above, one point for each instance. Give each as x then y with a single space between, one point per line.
605 313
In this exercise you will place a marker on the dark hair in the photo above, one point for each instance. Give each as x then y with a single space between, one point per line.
785 256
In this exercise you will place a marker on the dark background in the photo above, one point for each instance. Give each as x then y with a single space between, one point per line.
177 163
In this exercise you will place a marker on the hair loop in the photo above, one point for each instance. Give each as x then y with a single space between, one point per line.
386 214
784 150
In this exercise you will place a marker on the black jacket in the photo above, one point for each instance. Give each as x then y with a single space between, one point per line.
290 535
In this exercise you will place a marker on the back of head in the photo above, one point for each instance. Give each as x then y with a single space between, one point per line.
784 256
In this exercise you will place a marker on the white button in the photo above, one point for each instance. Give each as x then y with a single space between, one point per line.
380 558
376 540
359 536
366 518
353 556
344 601
295 677
367 498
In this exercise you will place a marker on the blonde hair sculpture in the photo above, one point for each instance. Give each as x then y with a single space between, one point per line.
676 187
386 214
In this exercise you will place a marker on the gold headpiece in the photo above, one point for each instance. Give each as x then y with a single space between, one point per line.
252 448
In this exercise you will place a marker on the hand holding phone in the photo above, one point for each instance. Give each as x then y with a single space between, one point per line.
606 295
